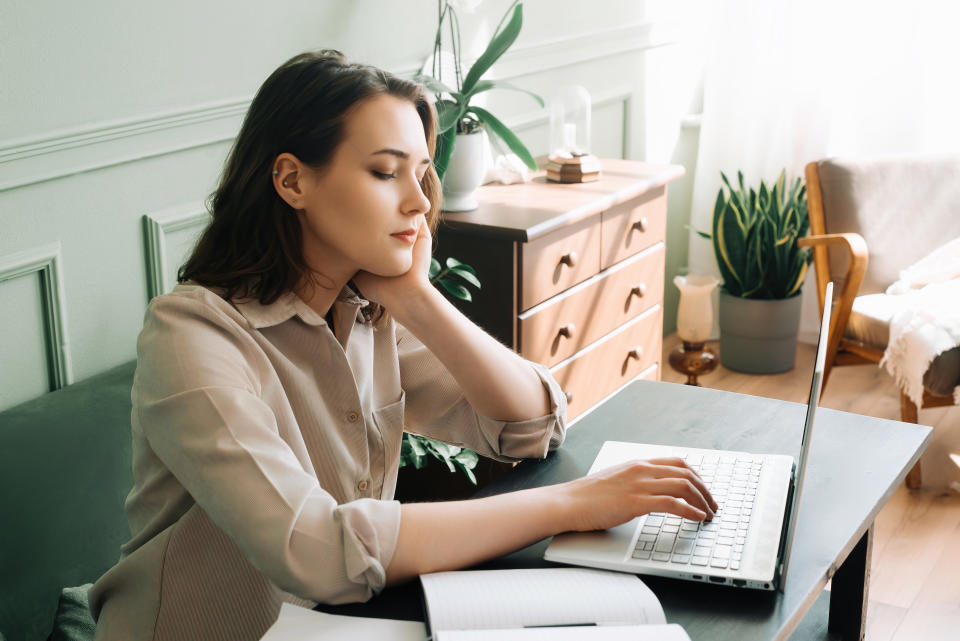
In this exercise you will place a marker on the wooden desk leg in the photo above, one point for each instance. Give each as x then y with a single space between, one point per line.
849 590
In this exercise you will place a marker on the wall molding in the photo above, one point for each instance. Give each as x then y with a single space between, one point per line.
155 229
46 262
54 155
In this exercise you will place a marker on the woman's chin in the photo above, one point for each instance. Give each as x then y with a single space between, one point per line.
392 269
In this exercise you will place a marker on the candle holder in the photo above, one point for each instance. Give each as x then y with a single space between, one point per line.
693 359
694 322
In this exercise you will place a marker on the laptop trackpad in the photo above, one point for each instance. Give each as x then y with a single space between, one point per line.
603 544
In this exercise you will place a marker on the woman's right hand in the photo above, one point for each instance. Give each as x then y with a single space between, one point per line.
618 494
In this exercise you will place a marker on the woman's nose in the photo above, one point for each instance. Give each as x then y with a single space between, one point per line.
416 201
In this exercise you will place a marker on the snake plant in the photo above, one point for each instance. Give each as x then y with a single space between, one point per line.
755 236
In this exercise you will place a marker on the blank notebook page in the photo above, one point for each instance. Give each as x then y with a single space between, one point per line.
485 599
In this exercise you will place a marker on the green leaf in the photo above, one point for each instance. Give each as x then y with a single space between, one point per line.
469 472
467 276
487 85
498 45
448 112
456 289
434 268
723 253
726 182
729 278
501 130
468 458
418 452
435 85
444 148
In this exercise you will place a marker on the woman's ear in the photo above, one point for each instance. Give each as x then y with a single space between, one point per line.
288 172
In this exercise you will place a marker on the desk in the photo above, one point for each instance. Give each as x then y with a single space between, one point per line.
856 463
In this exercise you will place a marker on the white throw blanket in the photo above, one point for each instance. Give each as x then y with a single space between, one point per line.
930 323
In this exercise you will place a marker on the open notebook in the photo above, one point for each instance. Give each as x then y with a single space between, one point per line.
547 603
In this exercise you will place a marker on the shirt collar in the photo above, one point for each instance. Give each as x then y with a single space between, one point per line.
289 305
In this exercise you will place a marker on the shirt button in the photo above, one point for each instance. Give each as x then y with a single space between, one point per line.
353 417
362 486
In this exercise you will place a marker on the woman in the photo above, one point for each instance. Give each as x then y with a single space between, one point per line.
270 399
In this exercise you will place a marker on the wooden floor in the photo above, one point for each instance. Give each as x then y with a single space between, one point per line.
915 583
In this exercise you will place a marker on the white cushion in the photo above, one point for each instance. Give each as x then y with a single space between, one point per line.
870 319
870 324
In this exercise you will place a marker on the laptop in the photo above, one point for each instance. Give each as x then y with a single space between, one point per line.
747 544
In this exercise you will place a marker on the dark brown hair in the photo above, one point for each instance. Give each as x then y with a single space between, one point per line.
252 247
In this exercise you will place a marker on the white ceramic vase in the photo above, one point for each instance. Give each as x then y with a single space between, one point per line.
465 172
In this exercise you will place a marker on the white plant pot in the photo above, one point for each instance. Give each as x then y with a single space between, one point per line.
465 172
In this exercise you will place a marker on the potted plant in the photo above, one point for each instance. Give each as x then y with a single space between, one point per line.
754 237
461 139
415 480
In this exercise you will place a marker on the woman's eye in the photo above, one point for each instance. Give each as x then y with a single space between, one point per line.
383 176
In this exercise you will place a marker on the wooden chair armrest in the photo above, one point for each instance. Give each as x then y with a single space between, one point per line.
855 244
856 248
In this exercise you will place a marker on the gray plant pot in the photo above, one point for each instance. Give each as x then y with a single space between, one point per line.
758 336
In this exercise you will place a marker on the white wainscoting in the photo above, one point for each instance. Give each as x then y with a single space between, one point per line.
44 262
157 229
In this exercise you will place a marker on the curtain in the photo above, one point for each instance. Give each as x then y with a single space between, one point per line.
788 82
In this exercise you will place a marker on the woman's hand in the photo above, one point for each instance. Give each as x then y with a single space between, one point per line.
615 495
392 291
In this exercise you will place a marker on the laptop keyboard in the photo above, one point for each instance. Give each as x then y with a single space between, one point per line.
670 539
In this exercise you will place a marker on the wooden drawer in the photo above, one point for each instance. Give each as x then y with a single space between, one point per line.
632 226
559 260
652 374
554 330
611 362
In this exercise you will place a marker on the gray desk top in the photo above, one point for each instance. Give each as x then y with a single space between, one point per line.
856 464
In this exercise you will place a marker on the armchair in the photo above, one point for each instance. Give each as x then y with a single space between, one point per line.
902 209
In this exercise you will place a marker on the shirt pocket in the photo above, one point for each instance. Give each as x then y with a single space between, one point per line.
389 421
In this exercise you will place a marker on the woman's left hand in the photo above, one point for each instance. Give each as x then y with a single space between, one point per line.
393 291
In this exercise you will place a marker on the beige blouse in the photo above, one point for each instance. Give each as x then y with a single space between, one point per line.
265 457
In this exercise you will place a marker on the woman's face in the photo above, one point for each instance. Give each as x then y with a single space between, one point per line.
362 211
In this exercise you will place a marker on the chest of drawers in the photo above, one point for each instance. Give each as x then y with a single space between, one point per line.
572 274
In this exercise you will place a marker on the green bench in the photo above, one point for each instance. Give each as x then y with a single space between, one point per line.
65 470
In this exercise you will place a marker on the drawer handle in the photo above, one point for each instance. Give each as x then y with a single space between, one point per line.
641 225
636 352
567 330
639 290
569 396
569 259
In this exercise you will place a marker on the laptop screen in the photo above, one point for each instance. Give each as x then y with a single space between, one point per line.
815 387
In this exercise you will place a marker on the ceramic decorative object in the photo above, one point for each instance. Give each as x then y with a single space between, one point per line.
465 172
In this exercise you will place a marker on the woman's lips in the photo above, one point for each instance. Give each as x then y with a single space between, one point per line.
408 236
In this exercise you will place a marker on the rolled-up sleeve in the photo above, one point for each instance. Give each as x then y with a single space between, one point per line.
197 403
436 407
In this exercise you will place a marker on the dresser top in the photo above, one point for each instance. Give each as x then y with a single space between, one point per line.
526 211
